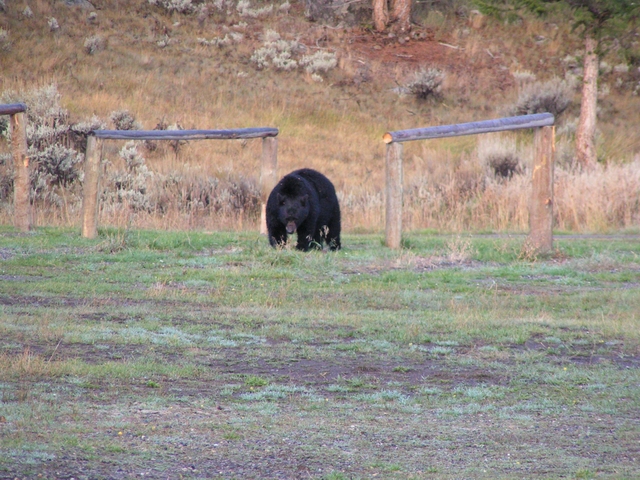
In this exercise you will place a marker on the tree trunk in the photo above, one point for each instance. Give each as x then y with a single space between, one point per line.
401 15
380 15
586 133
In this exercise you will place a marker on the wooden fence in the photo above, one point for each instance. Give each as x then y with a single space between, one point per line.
540 210
541 206
22 207
93 162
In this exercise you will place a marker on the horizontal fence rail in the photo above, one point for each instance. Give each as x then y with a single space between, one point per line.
93 162
239 133
471 128
12 108
21 205
541 206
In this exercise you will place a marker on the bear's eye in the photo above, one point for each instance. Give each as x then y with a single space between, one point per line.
281 202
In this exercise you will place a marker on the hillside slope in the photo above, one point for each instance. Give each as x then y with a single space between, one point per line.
332 90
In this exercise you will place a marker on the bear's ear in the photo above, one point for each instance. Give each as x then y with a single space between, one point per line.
303 200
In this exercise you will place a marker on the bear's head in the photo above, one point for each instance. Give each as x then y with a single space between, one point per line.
292 211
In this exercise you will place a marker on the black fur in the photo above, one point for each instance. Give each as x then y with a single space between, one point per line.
304 202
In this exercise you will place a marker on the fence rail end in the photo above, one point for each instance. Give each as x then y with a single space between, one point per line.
12 108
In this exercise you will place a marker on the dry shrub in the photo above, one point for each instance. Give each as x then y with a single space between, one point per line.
183 200
426 84
553 96
94 44
500 155
55 148
124 120
207 195
128 186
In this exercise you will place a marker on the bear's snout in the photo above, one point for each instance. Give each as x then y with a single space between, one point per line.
291 227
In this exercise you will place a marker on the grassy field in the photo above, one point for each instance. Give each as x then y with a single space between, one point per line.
191 355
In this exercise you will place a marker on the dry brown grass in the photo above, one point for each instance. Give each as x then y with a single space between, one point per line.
334 126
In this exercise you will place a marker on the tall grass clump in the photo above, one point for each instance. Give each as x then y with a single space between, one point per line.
613 201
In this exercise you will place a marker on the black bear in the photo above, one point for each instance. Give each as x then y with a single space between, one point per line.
305 202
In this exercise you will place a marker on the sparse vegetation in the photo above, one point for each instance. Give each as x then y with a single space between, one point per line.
160 352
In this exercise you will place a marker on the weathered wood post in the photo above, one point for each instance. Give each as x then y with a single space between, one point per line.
22 206
541 208
268 176
393 201
91 188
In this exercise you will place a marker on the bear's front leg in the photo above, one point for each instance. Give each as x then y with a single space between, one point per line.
278 237
304 240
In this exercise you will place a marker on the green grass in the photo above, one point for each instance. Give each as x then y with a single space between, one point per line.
202 355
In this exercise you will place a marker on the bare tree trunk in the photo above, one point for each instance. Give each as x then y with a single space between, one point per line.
380 14
586 133
401 15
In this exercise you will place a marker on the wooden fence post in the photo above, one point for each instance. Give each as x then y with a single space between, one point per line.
92 170
541 208
21 183
394 195
268 176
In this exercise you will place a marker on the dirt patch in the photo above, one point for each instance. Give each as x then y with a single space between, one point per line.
399 57
320 374
407 372
583 354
